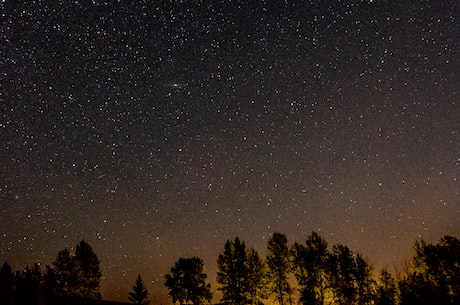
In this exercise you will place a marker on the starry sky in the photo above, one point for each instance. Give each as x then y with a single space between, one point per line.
159 129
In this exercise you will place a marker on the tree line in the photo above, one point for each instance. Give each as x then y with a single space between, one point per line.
76 274
314 274
309 273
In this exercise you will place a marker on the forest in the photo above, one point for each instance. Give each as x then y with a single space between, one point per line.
309 273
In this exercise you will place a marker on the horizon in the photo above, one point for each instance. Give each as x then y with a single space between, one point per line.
163 298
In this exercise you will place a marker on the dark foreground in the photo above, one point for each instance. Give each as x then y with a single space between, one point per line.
62 300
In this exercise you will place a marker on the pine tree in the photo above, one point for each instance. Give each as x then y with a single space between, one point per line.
139 295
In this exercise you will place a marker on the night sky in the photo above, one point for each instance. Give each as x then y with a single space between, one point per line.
159 129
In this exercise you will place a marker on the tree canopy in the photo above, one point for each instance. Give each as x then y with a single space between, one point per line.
312 272
434 274
279 266
187 282
75 275
239 275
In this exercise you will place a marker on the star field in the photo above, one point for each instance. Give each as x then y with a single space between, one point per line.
160 129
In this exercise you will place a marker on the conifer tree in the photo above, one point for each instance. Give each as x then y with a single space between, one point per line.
139 295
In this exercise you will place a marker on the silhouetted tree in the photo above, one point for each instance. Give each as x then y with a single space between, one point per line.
187 282
387 289
255 283
278 263
89 273
28 285
75 275
415 290
434 276
61 279
139 295
239 274
343 282
311 265
6 284
351 282
364 282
